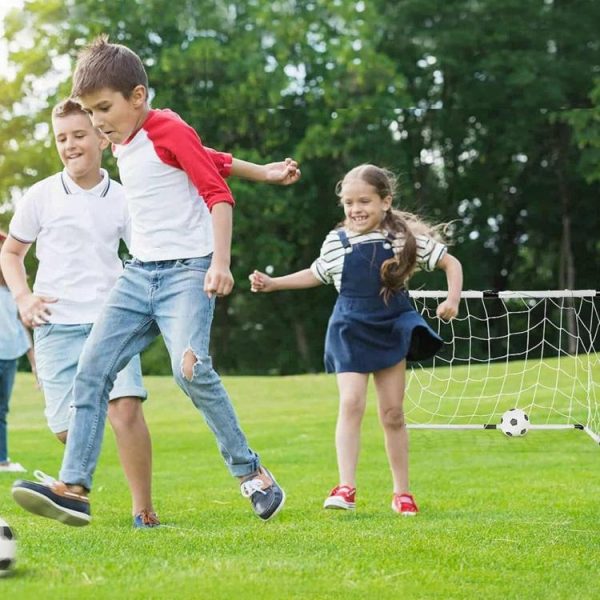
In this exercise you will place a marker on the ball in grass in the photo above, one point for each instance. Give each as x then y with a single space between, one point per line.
8 548
514 423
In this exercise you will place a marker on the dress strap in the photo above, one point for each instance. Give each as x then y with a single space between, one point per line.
344 239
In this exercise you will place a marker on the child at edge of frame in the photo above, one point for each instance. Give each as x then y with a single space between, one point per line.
14 342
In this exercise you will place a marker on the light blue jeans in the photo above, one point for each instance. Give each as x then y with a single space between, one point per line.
57 351
148 299
8 369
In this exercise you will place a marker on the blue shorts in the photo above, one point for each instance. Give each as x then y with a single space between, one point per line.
57 352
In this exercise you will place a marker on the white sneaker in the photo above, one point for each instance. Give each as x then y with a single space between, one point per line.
12 467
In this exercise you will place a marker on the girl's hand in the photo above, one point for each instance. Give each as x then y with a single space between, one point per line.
447 310
285 172
260 282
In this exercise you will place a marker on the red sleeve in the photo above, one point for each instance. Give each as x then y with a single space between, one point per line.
223 161
178 145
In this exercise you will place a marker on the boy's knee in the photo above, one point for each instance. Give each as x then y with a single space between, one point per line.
188 362
191 365
61 436
125 412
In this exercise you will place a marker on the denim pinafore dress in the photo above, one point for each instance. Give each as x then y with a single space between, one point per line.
364 333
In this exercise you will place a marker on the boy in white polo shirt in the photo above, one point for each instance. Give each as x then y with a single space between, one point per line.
78 217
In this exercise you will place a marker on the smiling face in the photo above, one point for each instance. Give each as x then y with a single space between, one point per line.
363 206
80 148
114 115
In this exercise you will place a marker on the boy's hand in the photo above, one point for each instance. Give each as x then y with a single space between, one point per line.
218 281
260 282
285 172
447 310
33 309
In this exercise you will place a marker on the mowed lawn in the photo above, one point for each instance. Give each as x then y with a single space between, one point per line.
500 517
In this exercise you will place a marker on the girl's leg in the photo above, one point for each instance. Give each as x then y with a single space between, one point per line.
353 398
389 384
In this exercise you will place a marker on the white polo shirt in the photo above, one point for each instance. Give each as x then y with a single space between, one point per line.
77 233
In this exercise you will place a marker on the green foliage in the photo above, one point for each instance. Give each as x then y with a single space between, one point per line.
486 109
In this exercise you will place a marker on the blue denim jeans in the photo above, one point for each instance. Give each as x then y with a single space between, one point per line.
8 369
148 299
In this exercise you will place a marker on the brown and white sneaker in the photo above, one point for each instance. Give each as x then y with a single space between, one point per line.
145 519
52 499
266 496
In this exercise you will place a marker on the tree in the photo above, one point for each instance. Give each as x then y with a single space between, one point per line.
484 108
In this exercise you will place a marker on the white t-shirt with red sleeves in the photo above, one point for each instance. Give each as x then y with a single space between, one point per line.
77 233
171 183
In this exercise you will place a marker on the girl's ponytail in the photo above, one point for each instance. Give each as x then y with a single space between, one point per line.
396 271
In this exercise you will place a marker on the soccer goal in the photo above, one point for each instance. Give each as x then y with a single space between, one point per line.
533 350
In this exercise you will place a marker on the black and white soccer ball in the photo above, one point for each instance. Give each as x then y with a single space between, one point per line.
8 548
514 423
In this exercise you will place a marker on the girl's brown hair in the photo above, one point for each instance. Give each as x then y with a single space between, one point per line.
395 271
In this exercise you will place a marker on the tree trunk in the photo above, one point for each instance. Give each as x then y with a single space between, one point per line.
566 272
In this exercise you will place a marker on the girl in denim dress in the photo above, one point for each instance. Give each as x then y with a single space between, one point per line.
374 327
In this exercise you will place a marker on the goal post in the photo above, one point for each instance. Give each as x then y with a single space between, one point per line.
534 350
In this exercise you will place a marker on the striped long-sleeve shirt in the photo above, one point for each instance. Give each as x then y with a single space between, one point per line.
330 264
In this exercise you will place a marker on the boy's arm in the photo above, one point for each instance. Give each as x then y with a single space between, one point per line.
260 282
219 280
32 309
448 309
285 172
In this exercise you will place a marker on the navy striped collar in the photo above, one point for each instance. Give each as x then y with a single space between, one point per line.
70 187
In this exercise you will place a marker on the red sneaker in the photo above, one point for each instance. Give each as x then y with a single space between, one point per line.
341 496
404 504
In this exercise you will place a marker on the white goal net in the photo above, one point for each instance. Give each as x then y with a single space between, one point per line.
533 350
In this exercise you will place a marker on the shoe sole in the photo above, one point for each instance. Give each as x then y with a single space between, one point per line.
405 514
41 505
277 509
338 504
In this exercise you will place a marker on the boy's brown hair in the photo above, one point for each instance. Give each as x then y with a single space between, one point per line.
67 107
105 65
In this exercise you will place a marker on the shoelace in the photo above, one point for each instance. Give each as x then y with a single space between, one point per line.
148 518
253 485
43 478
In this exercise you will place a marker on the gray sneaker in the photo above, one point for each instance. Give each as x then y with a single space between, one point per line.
266 496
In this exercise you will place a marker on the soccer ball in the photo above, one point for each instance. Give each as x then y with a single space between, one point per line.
8 548
514 423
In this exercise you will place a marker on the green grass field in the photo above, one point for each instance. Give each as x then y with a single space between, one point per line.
500 518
